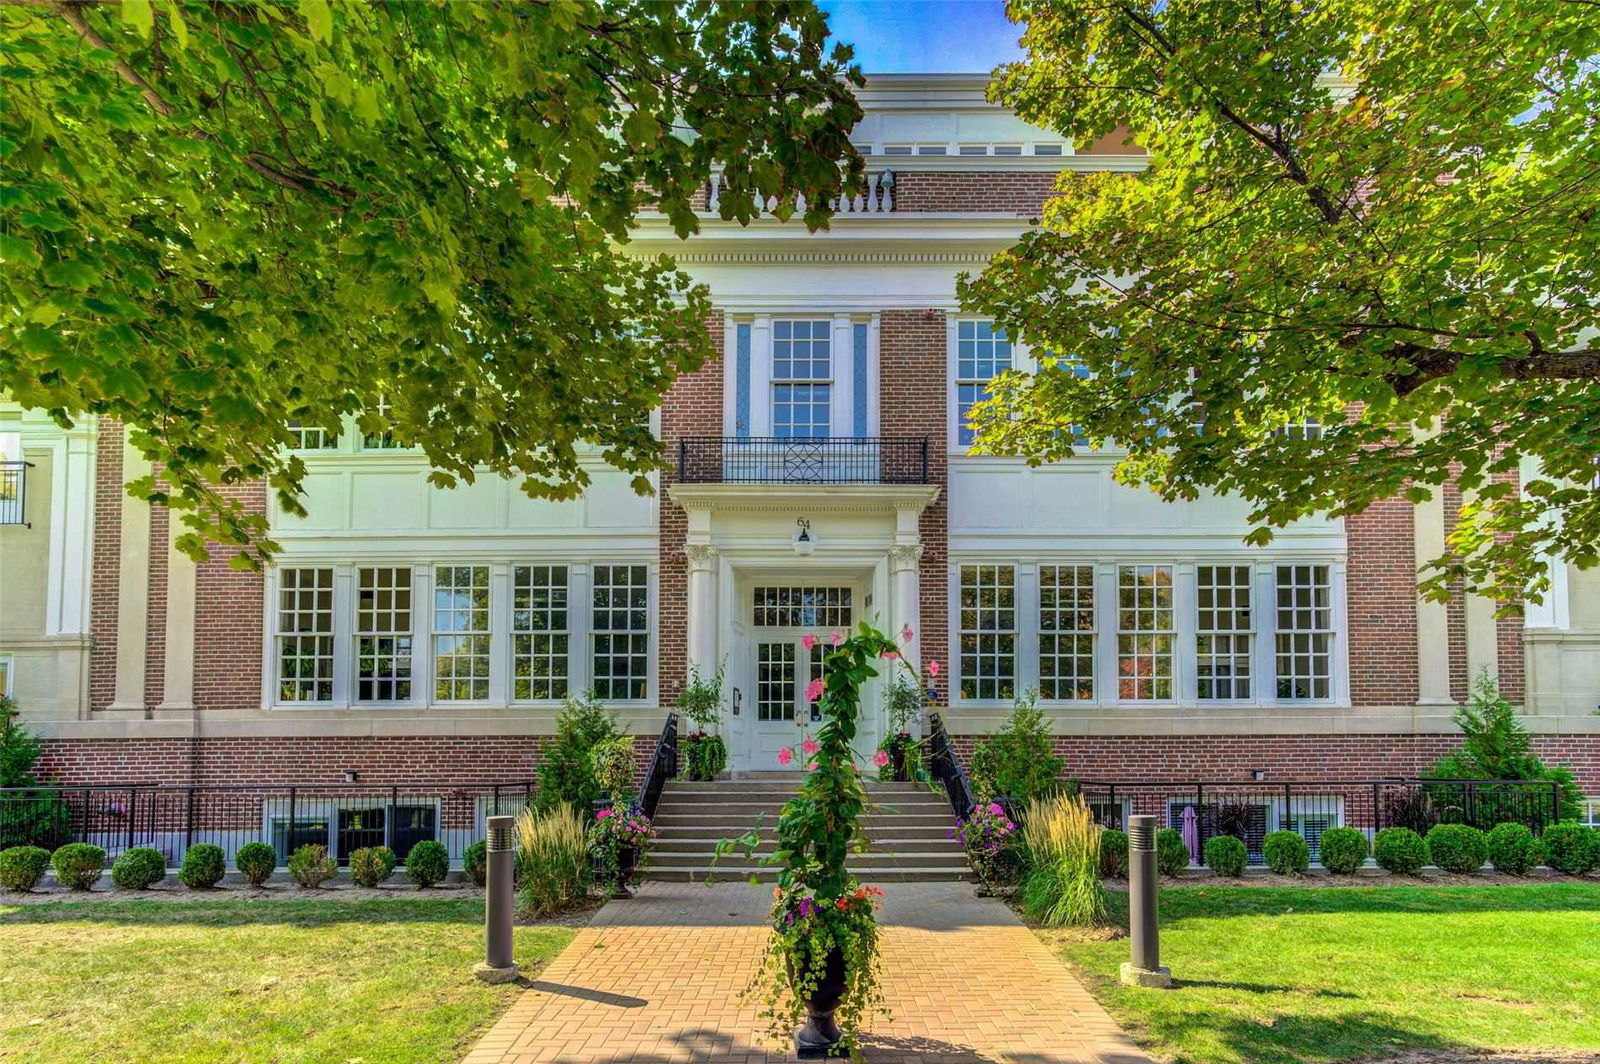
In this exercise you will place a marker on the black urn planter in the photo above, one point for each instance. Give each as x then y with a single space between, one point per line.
627 861
897 758
820 1036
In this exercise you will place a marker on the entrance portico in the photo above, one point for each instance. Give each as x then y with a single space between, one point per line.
753 596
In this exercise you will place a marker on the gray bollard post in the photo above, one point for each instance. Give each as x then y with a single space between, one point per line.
500 901
1144 968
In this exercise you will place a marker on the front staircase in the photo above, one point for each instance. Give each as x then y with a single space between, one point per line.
907 827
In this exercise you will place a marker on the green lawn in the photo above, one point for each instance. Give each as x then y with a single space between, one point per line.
1271 975
272 981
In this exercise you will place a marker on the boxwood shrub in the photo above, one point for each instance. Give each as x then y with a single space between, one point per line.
78 865
1114 853
475 863
21 867
1513 849
1226 856
256 862
1343 850
138 869
203 866
1571 848
1286 853
1172 853
310 866
1400 850
371 865
427 863
1458 848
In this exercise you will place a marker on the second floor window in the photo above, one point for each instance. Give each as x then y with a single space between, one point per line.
461 632
1144 632
621 631
383 635
802 379
988 632
983 352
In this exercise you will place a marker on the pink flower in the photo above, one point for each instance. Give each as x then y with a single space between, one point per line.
889 655
994 807
837 639
810 746
808 641
881 758
933 668
602 814
811 766
906 634
814 690
785 756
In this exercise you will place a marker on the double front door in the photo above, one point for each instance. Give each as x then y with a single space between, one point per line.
784 717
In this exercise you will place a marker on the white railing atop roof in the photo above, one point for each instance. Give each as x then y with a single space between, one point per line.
877 198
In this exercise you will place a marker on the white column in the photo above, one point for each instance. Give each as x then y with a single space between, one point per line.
701 561
133 588
1433 621
177 681
905 567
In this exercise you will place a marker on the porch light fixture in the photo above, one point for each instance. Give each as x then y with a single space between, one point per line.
1258 774
803 543
351 775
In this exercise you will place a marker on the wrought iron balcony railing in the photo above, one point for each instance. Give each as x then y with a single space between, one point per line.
817 460
14 492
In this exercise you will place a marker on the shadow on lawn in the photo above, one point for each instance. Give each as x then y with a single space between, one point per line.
1290 1039
235 912
1203 903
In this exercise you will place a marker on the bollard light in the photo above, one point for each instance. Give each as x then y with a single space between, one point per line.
1144 967
499 904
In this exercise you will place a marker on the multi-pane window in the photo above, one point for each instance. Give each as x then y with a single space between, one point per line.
802 379
305 635
1305 632
383 634
621 631
539 632
983 352
988 631
802 607
460 632
1223 630
1066 631
382 441
309 437
1308 428
775 679
1145 633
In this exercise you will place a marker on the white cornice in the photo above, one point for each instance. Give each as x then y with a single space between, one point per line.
822 498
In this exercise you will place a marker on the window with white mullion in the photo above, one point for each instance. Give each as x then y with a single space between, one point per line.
305 636
461 633
988 633
983 352
383 634
541 632
1224 633
1066 632
620 632
802 378
1146 634
1304 633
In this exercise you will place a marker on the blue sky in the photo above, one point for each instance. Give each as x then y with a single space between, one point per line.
925 36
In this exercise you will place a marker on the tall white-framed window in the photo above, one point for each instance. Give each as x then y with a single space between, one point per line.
1304 633
7 667
983 352
383 634
1066 632
1224 632
1146 635
620 632
802 378
461 633
988 635
540 632
304 651
1591 812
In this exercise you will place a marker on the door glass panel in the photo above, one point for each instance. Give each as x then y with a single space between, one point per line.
775 677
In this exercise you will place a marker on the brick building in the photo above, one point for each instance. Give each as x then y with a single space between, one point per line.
413 635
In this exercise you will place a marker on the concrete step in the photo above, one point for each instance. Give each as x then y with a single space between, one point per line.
768 844
875 834
865 873
899 859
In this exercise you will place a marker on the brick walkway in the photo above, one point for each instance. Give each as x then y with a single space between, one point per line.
658 979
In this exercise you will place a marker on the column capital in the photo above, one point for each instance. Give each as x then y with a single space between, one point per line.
905 556
699 556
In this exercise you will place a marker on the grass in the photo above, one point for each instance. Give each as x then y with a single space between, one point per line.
287 982
1321 975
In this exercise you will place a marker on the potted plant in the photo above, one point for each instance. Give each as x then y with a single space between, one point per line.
820 976
704 752
620 835
903 702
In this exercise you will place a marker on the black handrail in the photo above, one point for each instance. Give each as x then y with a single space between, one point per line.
663 767
803 460
944 764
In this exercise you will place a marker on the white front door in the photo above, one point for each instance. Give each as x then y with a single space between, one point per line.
782 715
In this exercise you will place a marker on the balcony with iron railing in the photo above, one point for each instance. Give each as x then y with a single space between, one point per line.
803 460
14 492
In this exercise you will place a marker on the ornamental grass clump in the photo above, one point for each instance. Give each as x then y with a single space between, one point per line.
553 860
1062 842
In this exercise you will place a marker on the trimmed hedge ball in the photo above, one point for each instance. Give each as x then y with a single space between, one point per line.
1286 853
1172 853
1513 850
1571 848
1342 850
203 866
1400 850
1226 856
371 865
21 867
475 863
310 866
427 863
78 865
256 861
138 869
1458 848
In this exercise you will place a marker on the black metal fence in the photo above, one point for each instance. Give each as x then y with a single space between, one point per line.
787 460
663 766
14 492
343 817
944 767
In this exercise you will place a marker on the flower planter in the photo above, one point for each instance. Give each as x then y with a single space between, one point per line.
627 861
820 1036
897 758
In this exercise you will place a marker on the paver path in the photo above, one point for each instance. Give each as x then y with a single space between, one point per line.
658 979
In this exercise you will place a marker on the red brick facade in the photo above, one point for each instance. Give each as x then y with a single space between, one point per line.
1022 194
1381 605
228 616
